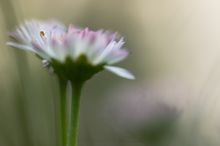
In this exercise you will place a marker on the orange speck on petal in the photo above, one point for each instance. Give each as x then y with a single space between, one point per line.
42 34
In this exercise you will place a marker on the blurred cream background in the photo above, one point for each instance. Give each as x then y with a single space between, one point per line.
168 40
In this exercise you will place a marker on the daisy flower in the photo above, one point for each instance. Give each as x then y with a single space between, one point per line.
71 52
75 55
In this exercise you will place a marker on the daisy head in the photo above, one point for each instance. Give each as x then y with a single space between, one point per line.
73 53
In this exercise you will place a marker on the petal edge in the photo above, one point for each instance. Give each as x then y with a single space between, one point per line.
120 72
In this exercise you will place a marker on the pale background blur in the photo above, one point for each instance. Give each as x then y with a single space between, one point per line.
175 55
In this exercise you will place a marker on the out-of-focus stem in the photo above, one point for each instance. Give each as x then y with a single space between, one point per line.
10 20
9 13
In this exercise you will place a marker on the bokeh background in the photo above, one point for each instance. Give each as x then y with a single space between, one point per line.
174 53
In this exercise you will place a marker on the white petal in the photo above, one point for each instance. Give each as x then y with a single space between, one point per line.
23 47
120 72
79 47
106 51
28 48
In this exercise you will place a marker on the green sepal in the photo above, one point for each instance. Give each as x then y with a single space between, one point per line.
77 71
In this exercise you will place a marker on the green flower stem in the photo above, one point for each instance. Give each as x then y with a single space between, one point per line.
63 110
69 116
72 133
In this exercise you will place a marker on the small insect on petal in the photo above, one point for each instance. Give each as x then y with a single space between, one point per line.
42 34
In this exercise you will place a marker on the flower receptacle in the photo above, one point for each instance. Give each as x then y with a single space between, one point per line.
77 71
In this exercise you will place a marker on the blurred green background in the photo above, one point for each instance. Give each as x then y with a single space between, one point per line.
174 54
